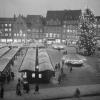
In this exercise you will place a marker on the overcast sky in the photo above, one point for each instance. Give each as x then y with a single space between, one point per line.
40 7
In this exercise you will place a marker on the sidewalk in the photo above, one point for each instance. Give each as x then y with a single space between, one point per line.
55 93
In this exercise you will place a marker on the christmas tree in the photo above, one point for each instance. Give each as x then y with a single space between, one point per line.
87 41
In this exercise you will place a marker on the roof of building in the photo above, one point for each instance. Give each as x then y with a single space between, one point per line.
55 15
63 14
33 21
6 19
72 14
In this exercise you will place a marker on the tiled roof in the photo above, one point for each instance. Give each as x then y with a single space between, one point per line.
72 14
55 15
33 20
63 15
6 19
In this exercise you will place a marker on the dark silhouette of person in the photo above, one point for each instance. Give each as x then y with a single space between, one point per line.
12 75
36 89
2 91
18 88
70 68
59 79
26 86
77 93
56 67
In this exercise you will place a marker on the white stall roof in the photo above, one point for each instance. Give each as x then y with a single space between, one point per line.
29 61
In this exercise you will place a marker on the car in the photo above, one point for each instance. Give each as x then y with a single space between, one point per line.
58 46
73 60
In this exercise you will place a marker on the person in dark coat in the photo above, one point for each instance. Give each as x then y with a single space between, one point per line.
2 91
26 86
59 79
18 88
70 68
12 75
36 89
77 93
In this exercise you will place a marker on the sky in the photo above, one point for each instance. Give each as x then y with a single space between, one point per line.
40 7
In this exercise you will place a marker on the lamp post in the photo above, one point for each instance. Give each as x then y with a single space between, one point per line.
36 66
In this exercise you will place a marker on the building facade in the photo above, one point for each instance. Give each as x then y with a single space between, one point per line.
62 26
70 24
20 30
6 27
35 27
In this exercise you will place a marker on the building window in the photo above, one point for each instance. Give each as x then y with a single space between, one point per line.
14 34
98 26
6 34
10 29
9 34
24 35
51 34
9 25
17 34
6 29
6 25
68 30
40 30
46 34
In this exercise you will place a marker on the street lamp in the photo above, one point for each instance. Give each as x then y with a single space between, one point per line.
36 66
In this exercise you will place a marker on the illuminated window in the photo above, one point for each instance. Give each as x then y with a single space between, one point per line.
6 25
68 30
51 34
6 29
15 34
25 75
24 35
9 29
33 75
46 34
40 75
9 25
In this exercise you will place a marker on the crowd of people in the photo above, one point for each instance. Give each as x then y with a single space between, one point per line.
24 87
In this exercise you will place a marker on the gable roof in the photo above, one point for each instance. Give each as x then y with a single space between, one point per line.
55 15
63 14
6 19
33 21
72 14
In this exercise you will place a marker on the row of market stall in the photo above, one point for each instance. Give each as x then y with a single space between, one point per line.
45 67
7 62
3 51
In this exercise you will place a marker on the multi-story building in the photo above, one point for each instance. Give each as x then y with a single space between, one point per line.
35 27
98 29
6 26
20 30
53 26
70 24
62 26
98 25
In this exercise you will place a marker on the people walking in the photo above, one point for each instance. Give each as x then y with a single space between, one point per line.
36 89
12 75
26 86
77 93
18 88
59 79
2 91
70 68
